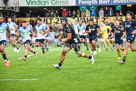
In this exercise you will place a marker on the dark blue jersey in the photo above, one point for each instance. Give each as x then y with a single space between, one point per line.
111 25
129 26
118 32
93 29
69 29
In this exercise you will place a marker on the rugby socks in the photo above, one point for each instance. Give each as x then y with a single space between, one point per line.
34 52
60 64
124 59
4 56
25 56
43 50
119 55
90 57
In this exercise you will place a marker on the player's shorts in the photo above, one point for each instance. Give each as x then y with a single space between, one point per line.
82 36
13 35
105 36
110 36
118 41
3 42
75 46
131 39
31 35
27 42
92 38
40 40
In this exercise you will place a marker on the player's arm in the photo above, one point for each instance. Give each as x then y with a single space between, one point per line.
61 36
87 30
98 30
31 31
112 33
124 34
69 37
9 32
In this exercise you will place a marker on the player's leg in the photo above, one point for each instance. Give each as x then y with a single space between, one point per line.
94 46
86 44
37 44
42 43
107 41
132 47
2 47
63 55
122 47
31 50
80 54
26 51
118 51
90 40
125 54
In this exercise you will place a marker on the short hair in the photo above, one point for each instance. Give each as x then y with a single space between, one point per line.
131 13
91 20
24 22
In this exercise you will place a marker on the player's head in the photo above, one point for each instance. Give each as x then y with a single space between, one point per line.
129 15
108 20
24 24
80 22
1 19
117 23
39 21
27 22
76 22
91 22
102 24
9 19
64 20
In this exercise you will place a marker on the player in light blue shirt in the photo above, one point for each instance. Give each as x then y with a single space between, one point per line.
82 35
25 34
40 32
3 28
12 28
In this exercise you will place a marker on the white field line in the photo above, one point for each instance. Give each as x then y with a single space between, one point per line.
17 79
33 54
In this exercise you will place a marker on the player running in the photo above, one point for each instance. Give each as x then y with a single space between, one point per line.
71 41
40 39
3 28
103 31
111 25
12 28
82 34
93 31
119 36
129 26
25 34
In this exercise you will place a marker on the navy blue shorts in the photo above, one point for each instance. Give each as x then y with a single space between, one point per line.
13 35
131 39
27 42
92 38
3 42
82 36
40 40
118 41
31 35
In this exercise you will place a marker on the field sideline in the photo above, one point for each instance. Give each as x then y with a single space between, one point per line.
77 74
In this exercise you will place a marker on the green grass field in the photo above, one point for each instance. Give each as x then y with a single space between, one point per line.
77 74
